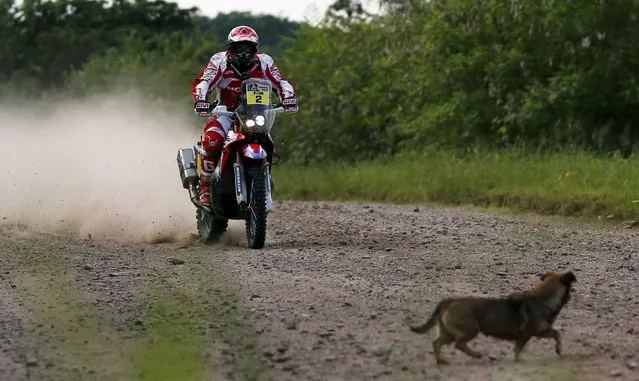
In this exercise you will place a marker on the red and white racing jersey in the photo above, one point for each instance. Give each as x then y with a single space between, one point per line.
218 75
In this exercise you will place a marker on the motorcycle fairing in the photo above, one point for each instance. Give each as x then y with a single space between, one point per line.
254 151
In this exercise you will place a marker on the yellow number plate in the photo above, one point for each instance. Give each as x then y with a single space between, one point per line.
257 98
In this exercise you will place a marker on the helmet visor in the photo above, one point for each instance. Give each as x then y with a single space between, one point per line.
243 50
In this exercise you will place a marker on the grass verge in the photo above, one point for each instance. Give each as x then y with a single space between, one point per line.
68 336
197 326
568 184
193 322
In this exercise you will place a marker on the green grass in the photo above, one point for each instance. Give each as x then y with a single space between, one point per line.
173 347
569 184
72 335
196 324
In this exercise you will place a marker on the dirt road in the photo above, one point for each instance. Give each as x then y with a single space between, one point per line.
328 298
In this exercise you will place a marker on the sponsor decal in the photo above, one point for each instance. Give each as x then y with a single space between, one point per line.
258 87
209 72
209 166
238 181
276 73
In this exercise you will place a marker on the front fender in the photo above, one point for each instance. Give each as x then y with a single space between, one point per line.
254 151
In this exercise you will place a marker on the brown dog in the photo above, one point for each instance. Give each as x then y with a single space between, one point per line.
516 317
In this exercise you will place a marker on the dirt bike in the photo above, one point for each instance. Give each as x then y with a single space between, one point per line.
241 184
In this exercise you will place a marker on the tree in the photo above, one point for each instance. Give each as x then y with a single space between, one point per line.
273 31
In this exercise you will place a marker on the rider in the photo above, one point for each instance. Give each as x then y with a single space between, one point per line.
225 72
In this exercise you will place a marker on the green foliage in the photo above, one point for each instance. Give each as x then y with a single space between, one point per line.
162 67
45 40
543 73
464 74
84 45
272 30
348 108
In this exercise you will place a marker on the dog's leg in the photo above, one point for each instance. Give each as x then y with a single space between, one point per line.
462 345
552 334
520 343
444 338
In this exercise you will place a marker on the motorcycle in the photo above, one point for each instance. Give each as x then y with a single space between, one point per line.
241 185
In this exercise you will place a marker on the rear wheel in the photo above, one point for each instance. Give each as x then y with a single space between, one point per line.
256 219
209 229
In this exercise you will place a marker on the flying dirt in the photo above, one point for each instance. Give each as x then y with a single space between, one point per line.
103 166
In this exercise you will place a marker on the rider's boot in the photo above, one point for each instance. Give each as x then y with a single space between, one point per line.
205 180
205 189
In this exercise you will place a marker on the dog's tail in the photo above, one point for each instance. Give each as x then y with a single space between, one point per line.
434 318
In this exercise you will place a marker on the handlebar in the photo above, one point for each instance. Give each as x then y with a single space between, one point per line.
221 111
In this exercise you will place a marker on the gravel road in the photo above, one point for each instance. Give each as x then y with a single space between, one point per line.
328 298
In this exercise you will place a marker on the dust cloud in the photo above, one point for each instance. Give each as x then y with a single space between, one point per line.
105 166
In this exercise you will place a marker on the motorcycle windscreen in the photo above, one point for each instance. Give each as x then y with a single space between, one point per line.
257 114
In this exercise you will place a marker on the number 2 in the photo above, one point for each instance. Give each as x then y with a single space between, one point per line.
258 99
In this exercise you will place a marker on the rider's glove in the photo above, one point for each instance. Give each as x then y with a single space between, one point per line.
203 106
290 104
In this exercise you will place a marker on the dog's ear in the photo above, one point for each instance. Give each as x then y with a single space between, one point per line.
567 278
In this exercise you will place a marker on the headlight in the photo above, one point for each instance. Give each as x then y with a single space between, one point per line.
250 123
260 120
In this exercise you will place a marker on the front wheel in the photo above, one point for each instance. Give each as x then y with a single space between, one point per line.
256 218
209 229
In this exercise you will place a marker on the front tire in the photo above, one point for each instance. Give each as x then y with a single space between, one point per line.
256 219
209 229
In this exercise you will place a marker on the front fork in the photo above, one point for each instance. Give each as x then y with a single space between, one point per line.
241 192
269 191
240 182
